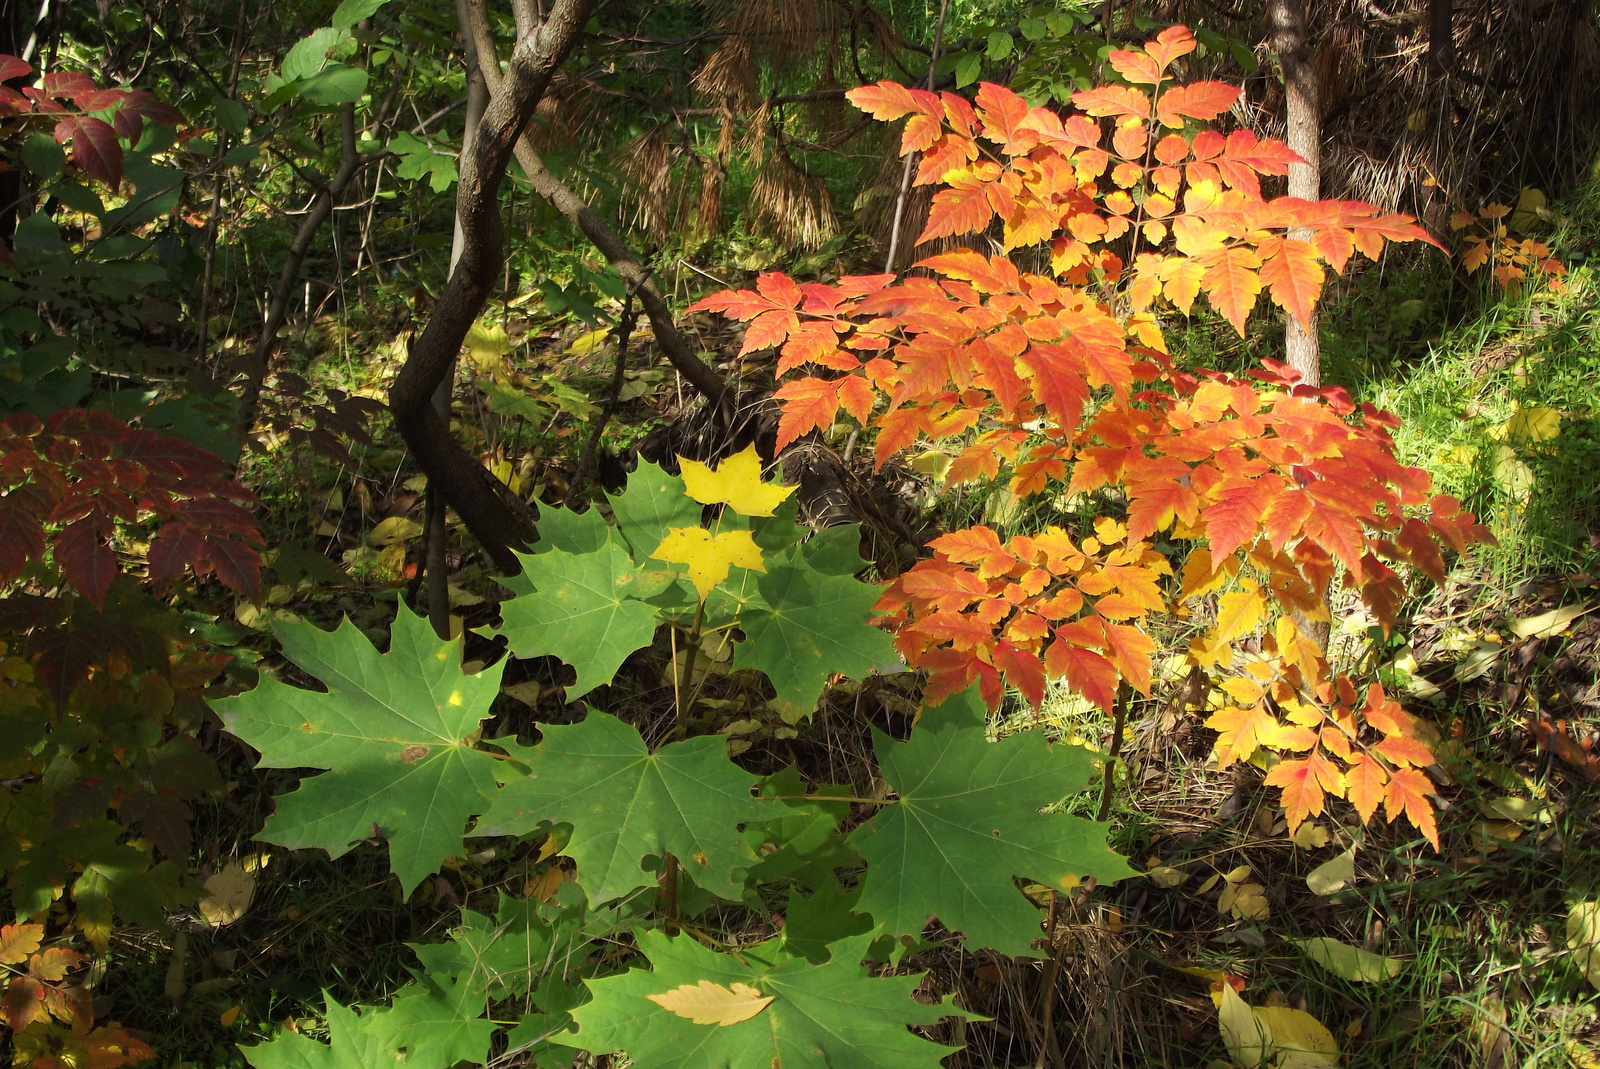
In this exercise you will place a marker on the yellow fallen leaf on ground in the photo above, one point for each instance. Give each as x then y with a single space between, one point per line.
1583 938
1331 876
709 556
228 895
736 482
1548 624
1534 424
1274 1036
709 1003
393 529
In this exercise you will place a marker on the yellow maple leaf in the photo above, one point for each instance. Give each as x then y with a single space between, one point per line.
709 1003
736 482
709 556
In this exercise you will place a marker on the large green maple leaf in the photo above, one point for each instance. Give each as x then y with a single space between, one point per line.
812 626
652 504
394 731
968 820
829 1016
584 609
426 1029
626 804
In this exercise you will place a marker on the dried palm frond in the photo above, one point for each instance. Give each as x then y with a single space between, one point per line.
793 206
708 215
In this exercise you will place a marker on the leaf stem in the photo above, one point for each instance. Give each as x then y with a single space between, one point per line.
688 670
1115 749
669 894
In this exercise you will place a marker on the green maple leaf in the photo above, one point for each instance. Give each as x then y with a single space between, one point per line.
813 625
826 1016
574 532
967 821
625 804
505 955
653 503
394 731
425 1030
584 609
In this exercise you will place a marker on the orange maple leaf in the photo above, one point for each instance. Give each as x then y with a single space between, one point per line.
1364 783
807 404
1242 730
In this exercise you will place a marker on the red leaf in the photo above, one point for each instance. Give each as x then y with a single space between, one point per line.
176 546
21 536
94 148
86 560
1086 672
1023 670
12 67
237 565
23 1003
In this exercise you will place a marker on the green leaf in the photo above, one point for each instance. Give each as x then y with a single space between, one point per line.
419 159
653 502
967 69
422 1031
814 625
309 55
1349 962
571 532
968 820
626 804
335 84
394 731
835 550
801 839
826 1016
42 155
584 609
503 956
810 924
1000 45
350 12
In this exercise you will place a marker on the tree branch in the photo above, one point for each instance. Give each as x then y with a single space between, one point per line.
259 361
680 352
513 98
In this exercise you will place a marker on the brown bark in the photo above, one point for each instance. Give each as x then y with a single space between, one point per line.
464 481
1304 136
680 351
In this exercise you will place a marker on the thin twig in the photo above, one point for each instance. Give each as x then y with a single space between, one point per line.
905 174
1123 691
624 331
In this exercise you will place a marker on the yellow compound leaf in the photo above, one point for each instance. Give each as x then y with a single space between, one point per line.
17 941
736 482
1237 614
709 1003
709 556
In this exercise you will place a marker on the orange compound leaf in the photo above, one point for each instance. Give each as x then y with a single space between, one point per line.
1172 43
110 1047
53 965
1004 113
23 1003
1113 100
1383 712
887 101
1154 504
1418 545
962 631
1293 276
1138 67
856 396
1085 671
1364 785
1238 613
1022 669
1231 283
1407 793
943 586
976 545
1241 732
1305 783
897 430
807 404
1406 751
769 329
812 342
1196 100
963 208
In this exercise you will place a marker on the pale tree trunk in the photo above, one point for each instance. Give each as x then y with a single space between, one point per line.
1304 136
